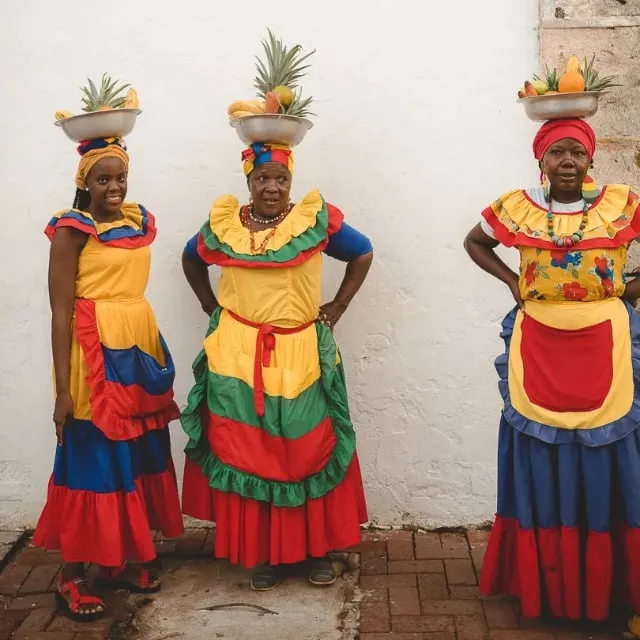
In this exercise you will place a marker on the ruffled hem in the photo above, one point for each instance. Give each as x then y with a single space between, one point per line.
113 416
109 528
136 229
573 573
251 532
614 220
596 437
282 494
160 494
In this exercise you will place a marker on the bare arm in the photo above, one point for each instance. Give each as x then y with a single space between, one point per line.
63 267
632 291
480 248
197 274
354 276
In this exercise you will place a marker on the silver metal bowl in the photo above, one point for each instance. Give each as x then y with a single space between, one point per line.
275 128
581 104
114 123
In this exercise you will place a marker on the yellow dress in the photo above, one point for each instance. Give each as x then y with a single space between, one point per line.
271 454
113 478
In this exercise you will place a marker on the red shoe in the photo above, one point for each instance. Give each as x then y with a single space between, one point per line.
70 600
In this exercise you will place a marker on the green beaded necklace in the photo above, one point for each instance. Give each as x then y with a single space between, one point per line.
590 193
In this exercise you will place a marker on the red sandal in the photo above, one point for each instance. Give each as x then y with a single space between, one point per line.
112 577
70 600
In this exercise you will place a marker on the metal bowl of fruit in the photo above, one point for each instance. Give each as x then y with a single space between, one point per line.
112 123
554 106
274 128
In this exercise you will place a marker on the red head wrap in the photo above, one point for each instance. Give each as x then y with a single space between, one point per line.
554 130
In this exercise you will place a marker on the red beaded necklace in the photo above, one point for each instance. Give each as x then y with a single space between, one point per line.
247 215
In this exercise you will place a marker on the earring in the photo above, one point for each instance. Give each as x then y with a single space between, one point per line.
546 187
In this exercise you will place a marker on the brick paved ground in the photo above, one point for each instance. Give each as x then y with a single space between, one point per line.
27 603
420 586
423 586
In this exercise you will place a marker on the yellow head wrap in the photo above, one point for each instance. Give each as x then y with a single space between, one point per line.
92 151
261 153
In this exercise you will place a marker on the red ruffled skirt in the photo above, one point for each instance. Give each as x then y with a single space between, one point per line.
251 532
105 497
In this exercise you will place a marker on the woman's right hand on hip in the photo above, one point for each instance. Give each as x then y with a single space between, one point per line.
62 413
514 287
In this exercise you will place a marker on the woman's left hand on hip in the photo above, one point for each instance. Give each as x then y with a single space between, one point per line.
330 313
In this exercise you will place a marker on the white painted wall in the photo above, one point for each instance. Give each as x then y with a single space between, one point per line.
417 130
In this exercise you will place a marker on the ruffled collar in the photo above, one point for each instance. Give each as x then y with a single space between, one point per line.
520 218
136 227
225 223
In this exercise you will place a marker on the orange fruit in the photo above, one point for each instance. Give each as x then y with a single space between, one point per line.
570 82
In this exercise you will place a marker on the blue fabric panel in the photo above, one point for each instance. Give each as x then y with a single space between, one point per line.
88 461
191 248
348 244
134 366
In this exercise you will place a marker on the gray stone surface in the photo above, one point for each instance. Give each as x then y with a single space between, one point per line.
9 537
586 9
617 52
300 611
7 541
618 162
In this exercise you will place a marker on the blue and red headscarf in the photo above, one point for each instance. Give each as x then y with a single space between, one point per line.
261 153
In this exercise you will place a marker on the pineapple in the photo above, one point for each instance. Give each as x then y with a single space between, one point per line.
110 95
550 78
283 69
592 80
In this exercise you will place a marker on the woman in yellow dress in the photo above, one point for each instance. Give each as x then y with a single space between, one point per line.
271 456
113 479
567 533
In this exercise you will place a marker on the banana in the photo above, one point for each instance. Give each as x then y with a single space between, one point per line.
240 113
253 106
63 115
131 101
258 103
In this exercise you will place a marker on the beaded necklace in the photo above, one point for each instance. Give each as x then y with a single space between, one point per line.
567 241
590 193
247 216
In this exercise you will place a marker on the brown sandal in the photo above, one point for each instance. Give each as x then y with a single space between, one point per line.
70 600
112 577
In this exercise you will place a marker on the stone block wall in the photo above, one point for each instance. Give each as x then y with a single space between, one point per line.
610 29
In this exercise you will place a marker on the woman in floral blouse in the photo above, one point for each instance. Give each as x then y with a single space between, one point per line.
567 531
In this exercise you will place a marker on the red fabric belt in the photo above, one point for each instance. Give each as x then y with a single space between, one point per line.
265 344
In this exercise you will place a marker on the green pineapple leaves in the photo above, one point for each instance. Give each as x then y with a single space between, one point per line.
109 95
